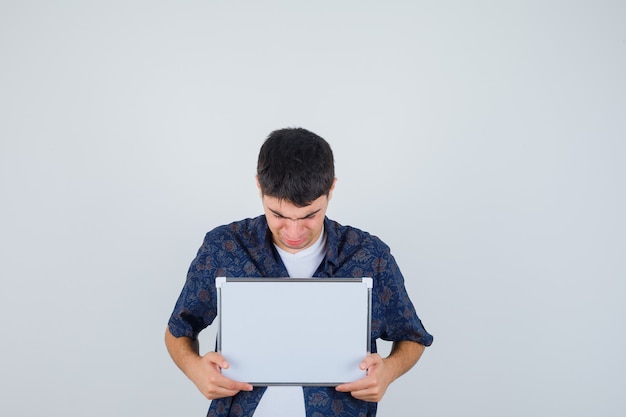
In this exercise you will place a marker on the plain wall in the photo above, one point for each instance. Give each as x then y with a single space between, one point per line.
483 141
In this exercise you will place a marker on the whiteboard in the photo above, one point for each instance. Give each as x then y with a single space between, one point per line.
294 331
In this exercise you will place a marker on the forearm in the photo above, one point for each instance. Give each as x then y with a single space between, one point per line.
404 355
183 350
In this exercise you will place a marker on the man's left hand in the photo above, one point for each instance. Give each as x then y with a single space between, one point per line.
374 385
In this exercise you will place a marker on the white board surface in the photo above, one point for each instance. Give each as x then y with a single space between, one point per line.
287 331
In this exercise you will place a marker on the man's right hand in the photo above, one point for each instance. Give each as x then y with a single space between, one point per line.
207 375
204 371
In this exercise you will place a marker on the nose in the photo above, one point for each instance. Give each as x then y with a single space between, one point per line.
294 226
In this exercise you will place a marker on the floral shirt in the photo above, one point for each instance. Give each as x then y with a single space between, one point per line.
245 249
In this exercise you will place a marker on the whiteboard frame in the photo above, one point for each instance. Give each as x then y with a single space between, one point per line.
309 361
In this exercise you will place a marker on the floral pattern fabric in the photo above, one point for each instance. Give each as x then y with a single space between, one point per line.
245 249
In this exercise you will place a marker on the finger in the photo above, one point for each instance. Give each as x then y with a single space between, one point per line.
217 359
221 386
361 384
233 387
218 392
372 392
370 360
222 381
243 386
343 387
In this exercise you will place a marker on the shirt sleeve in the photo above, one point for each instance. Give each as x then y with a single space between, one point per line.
196 307
394 315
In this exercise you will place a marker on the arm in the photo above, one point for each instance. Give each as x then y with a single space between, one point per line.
203 371
382 372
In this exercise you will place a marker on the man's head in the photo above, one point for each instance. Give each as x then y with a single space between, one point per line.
295 165
296 178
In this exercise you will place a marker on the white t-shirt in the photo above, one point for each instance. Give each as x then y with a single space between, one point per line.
288 401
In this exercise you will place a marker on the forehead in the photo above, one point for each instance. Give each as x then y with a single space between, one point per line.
288 209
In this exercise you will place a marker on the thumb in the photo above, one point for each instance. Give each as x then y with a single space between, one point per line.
217 359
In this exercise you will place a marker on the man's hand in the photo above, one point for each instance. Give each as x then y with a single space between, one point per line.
374 385
208 378
204 371
382 372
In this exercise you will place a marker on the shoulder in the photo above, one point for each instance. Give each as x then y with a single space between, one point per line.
349 238
241 228
246 232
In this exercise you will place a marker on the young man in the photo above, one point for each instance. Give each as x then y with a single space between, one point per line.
296 179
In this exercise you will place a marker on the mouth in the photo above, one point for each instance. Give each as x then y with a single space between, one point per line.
294 243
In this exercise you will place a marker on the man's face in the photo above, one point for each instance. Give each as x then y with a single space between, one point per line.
295 228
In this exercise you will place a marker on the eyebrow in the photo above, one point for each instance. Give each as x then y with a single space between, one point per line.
311 214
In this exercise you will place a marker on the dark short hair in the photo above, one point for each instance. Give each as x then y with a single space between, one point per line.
295 165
